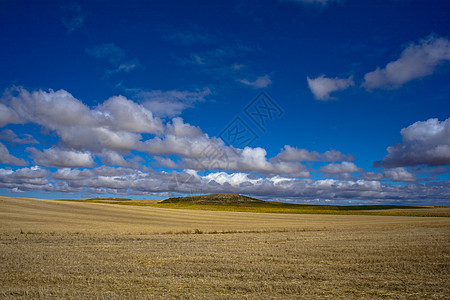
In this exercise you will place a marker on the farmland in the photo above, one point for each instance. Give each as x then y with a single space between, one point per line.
73 249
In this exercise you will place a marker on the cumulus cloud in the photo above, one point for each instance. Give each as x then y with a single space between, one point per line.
110 157
26 179
371 176
399 174
200 152
111 125
8 115
416 61
118 130
259 83
128 115
127 181
344 167
56 157
322 86
12 138
115 128
172 103
8 159
424 142
289 153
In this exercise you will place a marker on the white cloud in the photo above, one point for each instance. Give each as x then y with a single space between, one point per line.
56 157
128 181
371 176
114 128
172 103
399 174
110 157
424 142
259 83
26 179
416 61
8 115
111 125
52 109
129 116
178 128
8 159
11 137
322 86
289 153
234 179
344 167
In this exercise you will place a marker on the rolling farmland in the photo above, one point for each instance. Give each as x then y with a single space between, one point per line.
81 249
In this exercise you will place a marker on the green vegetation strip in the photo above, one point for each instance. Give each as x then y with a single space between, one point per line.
279 207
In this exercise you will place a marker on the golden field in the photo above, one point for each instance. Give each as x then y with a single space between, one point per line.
55 249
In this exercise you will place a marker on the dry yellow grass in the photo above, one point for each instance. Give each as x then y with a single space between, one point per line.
51 249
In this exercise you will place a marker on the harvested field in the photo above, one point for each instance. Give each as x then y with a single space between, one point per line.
53 249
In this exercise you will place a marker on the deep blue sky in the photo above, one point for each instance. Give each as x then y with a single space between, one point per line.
345 80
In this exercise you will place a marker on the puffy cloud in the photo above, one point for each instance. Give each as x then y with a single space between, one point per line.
289 153
322 86
294 154
399 174
416 61
26 179
11 137
234 179
129 116
8 116
172 103
8 159
178 128
371 176
52 109
128 181
112 125
259 83
110 157
56 157
424 142
115 127
204 153
344 167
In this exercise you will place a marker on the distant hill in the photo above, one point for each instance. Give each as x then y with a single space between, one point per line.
224 199
110 199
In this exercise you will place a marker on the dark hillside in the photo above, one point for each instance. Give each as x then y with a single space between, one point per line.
225 199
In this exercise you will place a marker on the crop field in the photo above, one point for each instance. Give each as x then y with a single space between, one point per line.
84 249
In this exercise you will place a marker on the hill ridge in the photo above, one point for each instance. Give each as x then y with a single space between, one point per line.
226 199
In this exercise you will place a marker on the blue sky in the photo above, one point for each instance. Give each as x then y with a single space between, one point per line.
308 101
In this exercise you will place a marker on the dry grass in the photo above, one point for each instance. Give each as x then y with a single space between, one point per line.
52 249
